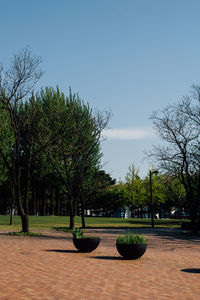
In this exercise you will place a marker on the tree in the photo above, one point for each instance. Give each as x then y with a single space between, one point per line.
15 85
101 193
133 189
178 126
174 195
76 154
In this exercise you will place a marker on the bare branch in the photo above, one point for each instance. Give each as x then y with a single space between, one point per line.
18 81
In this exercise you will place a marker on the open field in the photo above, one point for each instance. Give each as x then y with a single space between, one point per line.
50 222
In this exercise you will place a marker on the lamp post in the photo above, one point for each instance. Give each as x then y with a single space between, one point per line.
151 196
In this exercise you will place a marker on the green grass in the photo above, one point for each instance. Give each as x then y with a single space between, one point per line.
49 222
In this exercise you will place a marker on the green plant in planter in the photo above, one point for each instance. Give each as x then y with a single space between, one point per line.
131 246
84 243
77 233
131 238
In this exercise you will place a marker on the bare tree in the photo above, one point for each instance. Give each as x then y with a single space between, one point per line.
178 126
16 83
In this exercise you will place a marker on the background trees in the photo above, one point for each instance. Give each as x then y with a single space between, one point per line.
102 196
50 152
58 149
178 126
47 134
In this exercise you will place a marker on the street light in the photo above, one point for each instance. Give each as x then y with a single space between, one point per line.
151 196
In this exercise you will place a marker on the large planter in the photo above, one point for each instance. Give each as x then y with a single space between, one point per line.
86 244
131 251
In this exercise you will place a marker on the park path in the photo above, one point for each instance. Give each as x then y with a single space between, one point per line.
50 268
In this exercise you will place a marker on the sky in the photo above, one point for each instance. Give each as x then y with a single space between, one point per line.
131 57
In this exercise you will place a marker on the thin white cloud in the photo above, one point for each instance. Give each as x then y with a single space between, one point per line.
128 133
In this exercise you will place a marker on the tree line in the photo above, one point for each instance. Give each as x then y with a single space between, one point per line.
134 193
50 153
177 159
45 139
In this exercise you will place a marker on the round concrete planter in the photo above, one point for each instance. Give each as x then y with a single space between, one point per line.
131 251
86 244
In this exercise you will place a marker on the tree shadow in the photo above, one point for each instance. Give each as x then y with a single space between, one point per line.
57 237
163 232
108 257
62 229
108 229
61 251
192 270
43 236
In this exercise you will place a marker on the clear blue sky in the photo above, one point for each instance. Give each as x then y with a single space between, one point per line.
132 56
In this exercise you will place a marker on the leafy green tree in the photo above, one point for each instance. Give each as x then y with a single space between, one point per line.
7 143
133 189
157 185
76 153
174 195
6 146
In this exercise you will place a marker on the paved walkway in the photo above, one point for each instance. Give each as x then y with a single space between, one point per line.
51 268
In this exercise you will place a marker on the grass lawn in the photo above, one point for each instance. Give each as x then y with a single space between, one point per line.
49 222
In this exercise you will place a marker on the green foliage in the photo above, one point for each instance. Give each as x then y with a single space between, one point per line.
75 155
15 233
101 191
77 233
6 144
133 187
131 238
58 138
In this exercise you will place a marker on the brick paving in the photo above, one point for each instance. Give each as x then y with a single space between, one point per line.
50 268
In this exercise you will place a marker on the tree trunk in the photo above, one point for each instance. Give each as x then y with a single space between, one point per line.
82 212
57 203
34 199
22 212
71 225
71 209
12 204
43 203
11 212
132 211
141 212
23 215
25 223
52 200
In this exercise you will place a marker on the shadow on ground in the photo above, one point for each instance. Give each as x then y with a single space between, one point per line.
191 270
165 233
61 251
108 257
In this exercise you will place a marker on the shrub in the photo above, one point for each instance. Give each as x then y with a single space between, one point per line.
131 238
25 233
